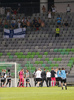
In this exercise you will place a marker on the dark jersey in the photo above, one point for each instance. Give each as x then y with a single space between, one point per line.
34 74
66 24
53 73
5 75
9 75
2 74
43 74
37 25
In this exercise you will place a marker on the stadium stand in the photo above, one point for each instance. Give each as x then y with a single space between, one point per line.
41 48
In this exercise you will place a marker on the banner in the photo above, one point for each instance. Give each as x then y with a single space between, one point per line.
16 33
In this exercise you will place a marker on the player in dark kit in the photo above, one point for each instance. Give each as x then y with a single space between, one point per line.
27 78
43 74
35 77
8 78
2 78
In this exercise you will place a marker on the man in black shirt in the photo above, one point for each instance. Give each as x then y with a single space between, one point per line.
2 78
43 74
35 77
23 24
37 25
53 80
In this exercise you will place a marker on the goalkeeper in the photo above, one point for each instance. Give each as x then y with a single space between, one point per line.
21 77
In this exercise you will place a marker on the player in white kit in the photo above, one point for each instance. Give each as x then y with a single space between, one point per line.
38 76
48 76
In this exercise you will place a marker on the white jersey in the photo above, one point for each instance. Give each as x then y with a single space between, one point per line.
48 74
49 15
5 75
68 8
18 20
19 25
8 13
56 75
14 21
38 74
53 9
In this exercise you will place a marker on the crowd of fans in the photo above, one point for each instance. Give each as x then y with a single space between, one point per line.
12 21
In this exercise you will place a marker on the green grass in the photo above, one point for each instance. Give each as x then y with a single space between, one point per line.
35 93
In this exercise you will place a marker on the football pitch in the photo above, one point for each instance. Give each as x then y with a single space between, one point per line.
35 93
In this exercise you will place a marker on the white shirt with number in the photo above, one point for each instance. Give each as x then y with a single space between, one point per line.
38 74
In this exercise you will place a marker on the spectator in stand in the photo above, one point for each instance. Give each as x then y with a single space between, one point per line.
13 20
14 13
23 25
6 24
53 10
13 24
59 20
39 21
19 24
33 25
68 9
42 25
23 19
13 16
37 25
66 24
57 32
8 15
0 22
18 19
49 14
43 9
29 19
28 25
34 20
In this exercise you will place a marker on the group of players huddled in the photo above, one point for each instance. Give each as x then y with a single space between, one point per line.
22 77
5 76
52 78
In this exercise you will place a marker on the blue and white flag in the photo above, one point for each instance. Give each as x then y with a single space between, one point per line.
16 33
